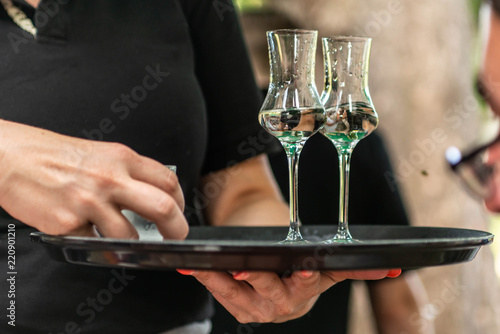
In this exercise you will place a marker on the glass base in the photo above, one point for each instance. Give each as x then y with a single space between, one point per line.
289 241
335 240
293 236
343 237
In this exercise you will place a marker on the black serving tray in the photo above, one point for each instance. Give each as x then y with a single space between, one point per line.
256 248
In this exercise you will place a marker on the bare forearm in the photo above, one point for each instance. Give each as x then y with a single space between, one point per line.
247 196
396 305
267 211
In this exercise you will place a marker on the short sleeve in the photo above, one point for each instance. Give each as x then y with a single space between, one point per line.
225 75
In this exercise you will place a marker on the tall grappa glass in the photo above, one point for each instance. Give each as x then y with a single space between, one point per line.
350 115
292 110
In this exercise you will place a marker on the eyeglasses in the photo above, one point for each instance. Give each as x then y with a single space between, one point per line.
476 171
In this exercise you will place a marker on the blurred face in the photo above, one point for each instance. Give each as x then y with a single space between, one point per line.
490 71
490 82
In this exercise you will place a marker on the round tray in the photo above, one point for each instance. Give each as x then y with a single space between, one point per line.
256 248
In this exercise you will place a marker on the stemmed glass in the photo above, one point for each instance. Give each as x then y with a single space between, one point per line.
292 110
350 115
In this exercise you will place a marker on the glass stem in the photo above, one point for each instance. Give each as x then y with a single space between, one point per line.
344 164
293 152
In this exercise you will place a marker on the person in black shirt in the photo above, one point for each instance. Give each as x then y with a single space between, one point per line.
92 108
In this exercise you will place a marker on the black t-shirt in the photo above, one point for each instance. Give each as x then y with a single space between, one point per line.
171 79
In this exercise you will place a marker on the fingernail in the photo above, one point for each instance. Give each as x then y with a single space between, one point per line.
394 273
240 275
185 271
306 273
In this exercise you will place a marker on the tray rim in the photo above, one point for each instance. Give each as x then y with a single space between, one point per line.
151 255
475 241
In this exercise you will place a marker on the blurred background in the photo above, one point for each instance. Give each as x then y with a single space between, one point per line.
423 65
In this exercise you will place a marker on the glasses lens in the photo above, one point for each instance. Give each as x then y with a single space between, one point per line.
479 170
477 176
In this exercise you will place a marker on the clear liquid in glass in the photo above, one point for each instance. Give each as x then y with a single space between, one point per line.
292 125
349 122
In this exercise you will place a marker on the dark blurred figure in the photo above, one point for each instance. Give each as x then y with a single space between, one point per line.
373 200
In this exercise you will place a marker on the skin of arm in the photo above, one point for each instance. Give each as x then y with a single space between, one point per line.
396 305
252 191
33 3
250 197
